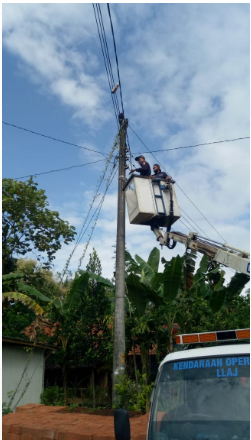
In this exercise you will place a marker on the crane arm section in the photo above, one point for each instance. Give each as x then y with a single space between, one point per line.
225 254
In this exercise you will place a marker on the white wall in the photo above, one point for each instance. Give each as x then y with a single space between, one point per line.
14 362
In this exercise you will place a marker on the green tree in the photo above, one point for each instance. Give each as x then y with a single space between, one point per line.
42 279
20 309
92 340
28 225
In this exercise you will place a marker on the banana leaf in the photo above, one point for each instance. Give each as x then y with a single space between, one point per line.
12 276
153 259
25 299
236 285
73 298
172 277
101 280
32 291
148 271
156 281
58 303
218 298
136 292
131 265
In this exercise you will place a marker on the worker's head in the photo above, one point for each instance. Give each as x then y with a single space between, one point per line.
140 159
156 168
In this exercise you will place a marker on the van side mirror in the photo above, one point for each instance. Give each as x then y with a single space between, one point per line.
122 424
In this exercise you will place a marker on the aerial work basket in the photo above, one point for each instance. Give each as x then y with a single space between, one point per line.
151 202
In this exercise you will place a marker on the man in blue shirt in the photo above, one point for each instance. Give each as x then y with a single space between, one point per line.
158 174
144 169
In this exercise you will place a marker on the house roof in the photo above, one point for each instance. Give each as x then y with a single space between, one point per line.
19 341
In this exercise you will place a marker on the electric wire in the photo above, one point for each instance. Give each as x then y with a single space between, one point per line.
106 57
82 231
90 208
178 186
184 218
194 223
99 207
193 146
184 224
54 139
115 50
60 169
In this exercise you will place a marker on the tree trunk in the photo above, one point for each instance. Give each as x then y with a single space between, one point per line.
145 361
171 340
64 373
135 368
93 389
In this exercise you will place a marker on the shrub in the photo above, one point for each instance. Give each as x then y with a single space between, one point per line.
5 409
53 396
130 398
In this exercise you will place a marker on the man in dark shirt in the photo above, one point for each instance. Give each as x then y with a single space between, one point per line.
144 169
158 174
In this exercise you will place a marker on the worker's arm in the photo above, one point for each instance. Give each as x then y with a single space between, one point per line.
137 169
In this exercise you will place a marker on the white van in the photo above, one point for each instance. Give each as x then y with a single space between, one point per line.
203 393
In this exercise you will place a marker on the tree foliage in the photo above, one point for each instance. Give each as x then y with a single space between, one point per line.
27 223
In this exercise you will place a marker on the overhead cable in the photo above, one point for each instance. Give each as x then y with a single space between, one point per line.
183 224
115 50
83 231
193 222
54 139
106 56
98 210
60 169
189 146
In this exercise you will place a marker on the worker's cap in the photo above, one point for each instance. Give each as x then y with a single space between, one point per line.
137 158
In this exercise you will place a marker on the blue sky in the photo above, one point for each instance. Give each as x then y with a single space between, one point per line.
184 72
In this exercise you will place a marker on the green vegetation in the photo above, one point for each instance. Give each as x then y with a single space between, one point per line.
28 225
135 396
77 314
53 396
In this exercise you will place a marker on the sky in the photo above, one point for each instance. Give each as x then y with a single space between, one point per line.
185 80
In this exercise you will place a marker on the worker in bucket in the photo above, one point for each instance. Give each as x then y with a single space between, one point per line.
158 174
144 169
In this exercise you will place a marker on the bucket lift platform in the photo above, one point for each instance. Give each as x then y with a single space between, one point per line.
151 202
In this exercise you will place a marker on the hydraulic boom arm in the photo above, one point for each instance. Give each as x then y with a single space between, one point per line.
225 254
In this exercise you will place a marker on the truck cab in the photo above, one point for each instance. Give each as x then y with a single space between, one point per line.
203 392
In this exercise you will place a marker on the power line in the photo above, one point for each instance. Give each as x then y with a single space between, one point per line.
106 56
99 207
178 185
96 195
83 231
54 139
190 146
184 218
115 50
184 224
60 169
194 223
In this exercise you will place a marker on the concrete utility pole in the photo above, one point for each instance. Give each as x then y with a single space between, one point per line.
119 317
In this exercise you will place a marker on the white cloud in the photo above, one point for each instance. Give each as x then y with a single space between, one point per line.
46 39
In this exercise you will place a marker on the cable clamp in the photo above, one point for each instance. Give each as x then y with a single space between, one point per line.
123 178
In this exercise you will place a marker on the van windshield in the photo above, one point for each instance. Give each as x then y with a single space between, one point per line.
202 398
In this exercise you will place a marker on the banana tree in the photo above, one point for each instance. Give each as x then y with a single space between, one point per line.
143 293
61 311
18 295
57 310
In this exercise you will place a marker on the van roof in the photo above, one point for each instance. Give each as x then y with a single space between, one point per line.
219 350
